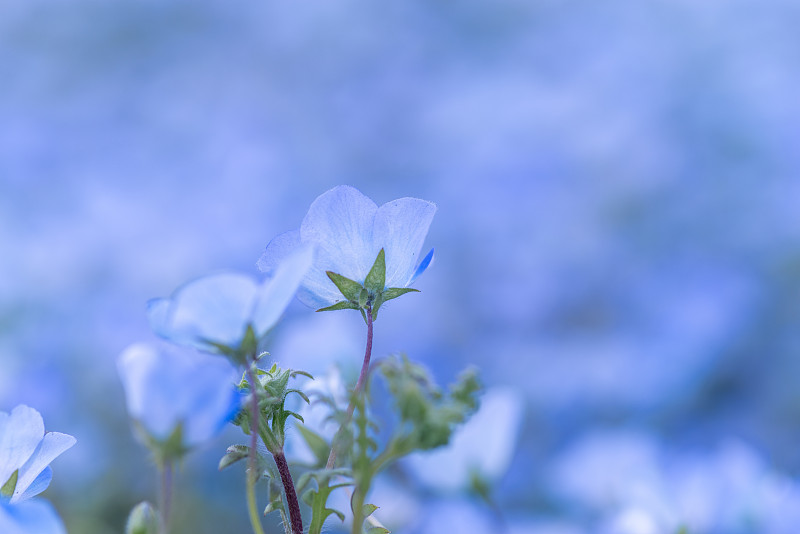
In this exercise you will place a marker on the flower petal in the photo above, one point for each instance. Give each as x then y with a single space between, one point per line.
215 308
400 229
340 222
20 433
276 294
52 445
423 266
30 517
281 247
39 484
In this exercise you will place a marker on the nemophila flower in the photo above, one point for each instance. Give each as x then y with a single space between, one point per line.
218 310
480 451
349 231
26 451
176 397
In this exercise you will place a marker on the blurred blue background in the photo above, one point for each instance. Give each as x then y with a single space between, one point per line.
617 237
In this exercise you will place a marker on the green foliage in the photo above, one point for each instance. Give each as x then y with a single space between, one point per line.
318 445
317 498
369 296
272 389
143 519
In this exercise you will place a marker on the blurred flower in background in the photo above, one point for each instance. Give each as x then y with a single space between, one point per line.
616 232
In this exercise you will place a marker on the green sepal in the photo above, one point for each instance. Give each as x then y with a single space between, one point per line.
376 278
394 292
143 519
349 288
363 298
11 484
368 509
319 447
233 455
343 305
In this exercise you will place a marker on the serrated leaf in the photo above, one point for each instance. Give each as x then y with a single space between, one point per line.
318 445
11 484
368 509
349 288
394 292
343 305
376 278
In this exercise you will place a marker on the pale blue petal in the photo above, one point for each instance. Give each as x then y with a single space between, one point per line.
39 484
51 446
215 308
147 382
158 315
30 517
165 388
317 290
423 266
211 401
281 247
340 222
276 294
400 229
20 433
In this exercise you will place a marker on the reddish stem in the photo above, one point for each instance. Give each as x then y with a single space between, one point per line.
291 493
360 385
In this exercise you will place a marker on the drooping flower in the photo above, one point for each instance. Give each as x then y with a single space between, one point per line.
177 398
349 230
26 451
218 309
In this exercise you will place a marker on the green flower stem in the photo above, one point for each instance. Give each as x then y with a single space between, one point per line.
358 512
360 385
291 494
252 475
165 496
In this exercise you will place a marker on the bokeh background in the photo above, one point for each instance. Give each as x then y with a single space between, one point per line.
617 241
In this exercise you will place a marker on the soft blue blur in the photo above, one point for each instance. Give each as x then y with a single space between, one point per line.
617 238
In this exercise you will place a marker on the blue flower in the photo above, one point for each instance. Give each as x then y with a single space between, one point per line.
178 398
26 451
349 230
30 517
218 309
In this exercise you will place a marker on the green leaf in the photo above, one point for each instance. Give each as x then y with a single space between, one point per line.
394 292
343 305
295 415
273 506
368 509
316 443
329 511
233 455
376 278
302 395
349 288
11 484
143 519
378 530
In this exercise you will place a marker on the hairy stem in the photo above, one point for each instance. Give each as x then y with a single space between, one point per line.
252 474
360 385
291 494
